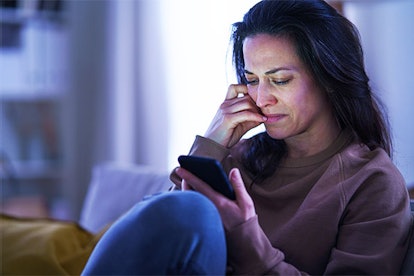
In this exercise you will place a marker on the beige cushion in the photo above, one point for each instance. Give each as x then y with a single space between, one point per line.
115 188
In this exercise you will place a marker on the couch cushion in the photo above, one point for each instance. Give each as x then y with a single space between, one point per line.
115 188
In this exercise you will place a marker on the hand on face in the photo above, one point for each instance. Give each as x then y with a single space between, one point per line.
232 212
235 117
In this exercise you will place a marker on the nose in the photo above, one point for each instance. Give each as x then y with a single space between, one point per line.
264 96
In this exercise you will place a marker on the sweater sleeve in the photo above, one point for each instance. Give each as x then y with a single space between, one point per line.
250 252
374 230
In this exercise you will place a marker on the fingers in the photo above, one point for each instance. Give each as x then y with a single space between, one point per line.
185 186
240 110
238 104
235 117
244 200
232 212
235 90
245 116
191 182
235 103
238 184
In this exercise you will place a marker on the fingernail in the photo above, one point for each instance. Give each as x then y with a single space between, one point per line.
235 173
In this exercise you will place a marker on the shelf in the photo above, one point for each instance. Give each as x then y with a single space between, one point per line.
30 170
37 66
33 84
29 95
20 15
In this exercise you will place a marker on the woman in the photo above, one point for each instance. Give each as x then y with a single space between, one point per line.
317 192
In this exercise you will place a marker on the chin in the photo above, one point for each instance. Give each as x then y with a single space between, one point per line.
277 134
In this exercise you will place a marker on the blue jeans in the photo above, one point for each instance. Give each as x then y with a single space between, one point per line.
174 233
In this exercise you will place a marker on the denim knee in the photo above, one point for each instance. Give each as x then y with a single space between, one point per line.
170 233
178 209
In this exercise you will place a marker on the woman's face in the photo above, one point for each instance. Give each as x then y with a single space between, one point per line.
284 89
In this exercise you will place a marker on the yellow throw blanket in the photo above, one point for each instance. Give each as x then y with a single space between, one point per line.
43 246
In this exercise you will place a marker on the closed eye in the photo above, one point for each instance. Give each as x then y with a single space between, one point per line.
281 82
252 82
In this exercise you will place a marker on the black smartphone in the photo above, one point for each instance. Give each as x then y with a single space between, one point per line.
210 171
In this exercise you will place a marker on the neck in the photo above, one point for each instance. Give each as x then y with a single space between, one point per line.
311 143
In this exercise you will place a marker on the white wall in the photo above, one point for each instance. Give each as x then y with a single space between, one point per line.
386 29
198 71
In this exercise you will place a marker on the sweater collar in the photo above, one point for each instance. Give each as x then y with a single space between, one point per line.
343 140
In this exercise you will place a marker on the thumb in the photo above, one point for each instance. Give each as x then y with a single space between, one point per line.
238 184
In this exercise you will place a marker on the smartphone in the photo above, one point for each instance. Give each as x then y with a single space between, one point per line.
210 171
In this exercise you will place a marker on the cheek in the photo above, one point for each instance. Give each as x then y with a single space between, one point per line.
309 107
302 105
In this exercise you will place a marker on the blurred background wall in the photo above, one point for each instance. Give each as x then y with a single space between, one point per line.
134 81
388 41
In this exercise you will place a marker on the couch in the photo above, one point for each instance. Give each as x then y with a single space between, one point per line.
114 188
55 247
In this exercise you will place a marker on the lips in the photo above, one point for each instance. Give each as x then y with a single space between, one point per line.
272 118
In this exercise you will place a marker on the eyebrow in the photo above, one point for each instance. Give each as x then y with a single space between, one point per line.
270 72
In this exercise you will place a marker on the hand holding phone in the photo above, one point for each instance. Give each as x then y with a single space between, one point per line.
210 171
